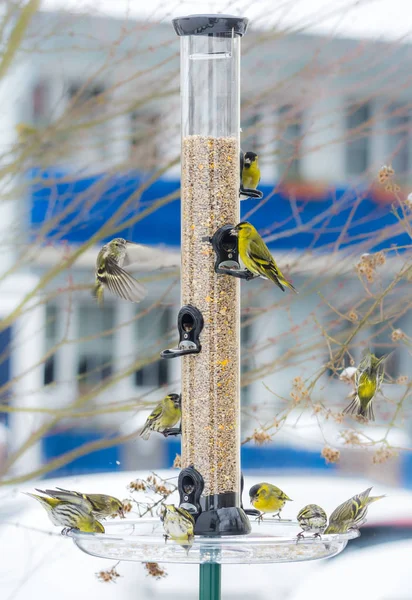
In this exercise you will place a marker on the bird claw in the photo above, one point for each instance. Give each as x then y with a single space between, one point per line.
259 518
166 537
300 536
67 530
172 431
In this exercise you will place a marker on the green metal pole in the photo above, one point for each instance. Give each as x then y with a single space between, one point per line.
210 581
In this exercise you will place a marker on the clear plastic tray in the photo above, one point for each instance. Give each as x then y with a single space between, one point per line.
269 542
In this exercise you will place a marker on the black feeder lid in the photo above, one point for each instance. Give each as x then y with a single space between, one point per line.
210 25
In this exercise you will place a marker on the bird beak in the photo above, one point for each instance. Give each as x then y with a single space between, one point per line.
234 232
247 161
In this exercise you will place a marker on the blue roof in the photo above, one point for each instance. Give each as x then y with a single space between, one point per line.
81 206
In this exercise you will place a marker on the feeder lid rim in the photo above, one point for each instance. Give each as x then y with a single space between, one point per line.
210 24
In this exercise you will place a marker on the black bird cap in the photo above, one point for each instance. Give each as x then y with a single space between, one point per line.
239 225
175 397
210 25
251 156
254 490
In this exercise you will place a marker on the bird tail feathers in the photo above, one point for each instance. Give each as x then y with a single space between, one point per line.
356 408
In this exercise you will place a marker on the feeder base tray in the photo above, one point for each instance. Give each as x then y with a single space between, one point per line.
269 542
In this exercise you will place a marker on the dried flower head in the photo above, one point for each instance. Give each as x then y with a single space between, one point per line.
155 570
260 437
127 505
385 174
351 438
402 379
330 455
348 375
299 391
139 485
177 463
353 316
109 575
368 263
397 334
408 202
317 408
383 454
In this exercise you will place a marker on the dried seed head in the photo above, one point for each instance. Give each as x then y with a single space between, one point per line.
383 454
330 455
177 463
402 379
139 485
397 334
155 570
260 437
348 375
109 575
353 316
351 438
127 505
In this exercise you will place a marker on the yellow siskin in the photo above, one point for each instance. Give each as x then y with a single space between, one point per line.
268 498
166 414
251 171
179 525
73 514
102 505
368 380
111 275
352 513
256 256
312 519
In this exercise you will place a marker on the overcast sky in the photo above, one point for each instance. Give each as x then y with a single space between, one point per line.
362 18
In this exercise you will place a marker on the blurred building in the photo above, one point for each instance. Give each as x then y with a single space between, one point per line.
323 114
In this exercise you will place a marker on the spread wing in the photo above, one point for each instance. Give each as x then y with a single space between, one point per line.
121 283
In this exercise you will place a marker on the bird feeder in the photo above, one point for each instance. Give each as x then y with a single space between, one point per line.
210 482
210 110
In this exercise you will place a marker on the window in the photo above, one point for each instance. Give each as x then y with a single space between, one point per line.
80 92
144 151
51 339
150 331
358 139
398 138
289 139
40 102
95 357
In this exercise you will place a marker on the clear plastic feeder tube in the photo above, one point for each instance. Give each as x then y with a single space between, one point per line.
210 104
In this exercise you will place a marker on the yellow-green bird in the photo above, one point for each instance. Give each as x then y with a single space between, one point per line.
178 525
351 514
312 519
250 171
268 498
111 275
102 506
256 256
75 513
166 414
368 380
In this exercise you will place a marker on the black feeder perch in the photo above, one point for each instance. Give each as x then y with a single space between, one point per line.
215 515
227 256
189 325
246 193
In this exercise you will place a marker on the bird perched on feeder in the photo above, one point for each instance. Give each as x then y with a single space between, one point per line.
368 380
351 514
166 414
312 519
256 256
111 275
179 525
73 513
250 171
268 499
102 505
